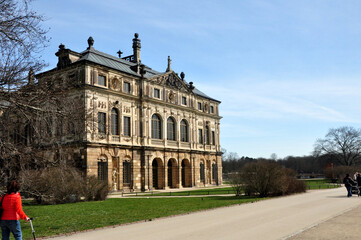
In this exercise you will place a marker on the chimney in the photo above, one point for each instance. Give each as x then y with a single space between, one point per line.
136 48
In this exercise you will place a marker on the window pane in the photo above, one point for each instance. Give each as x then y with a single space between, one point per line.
156 127
184 100
126 87
102 122
199 106
103 171
184 131
126 172
127 126
156 93
101 80
171 129
115 122
206 136
200 136
202 172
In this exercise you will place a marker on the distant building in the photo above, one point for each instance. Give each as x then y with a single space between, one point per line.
149 129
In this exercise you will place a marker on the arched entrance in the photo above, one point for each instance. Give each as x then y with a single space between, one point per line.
172 173
157 173
186 173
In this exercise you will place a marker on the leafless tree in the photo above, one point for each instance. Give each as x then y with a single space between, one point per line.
21 40
343 143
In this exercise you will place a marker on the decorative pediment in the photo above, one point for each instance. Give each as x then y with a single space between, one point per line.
172 80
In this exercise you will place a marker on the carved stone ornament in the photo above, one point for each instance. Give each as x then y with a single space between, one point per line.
173 81
171 96
115 83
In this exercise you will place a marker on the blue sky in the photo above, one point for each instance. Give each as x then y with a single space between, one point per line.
286 71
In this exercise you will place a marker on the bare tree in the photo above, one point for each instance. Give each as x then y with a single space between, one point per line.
21 39
343 143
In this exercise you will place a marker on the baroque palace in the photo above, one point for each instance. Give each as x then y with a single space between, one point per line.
149 129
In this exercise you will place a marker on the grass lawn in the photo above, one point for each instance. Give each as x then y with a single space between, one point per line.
320 184
215 191
57 219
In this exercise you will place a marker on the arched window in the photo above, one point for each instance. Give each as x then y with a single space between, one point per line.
184 131
171 129
115 122
156 127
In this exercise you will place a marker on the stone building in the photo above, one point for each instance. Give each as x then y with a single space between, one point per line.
144 129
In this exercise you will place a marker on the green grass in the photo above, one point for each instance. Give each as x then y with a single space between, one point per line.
320 184
57 219
215 191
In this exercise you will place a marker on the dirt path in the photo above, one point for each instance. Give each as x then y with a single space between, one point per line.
277 218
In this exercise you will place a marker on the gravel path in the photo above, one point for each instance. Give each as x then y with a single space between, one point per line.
279 218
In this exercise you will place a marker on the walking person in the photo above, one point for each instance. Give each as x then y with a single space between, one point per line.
13 211
348 184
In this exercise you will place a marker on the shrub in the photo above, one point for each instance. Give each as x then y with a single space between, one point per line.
265 178
61 185
339 172
95 190
237 183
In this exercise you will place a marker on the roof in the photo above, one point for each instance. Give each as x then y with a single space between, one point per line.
120 64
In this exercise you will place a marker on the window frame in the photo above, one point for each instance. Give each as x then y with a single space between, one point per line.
200 136
184 131
114 126
127 131
104 79
199 106
184 100
102 123
156 127
171 129
127 87
156 93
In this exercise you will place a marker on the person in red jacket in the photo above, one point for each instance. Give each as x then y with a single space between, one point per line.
13 211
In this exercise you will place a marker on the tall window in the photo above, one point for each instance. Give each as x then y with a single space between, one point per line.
115 122
126 172
206 136
200 136
156 127
102 80
199 106
156 93
126 126
184 130
126 87
102 119
213 138
184 100
171 129
202 174
103 170
214 171
211 109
